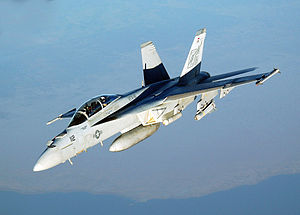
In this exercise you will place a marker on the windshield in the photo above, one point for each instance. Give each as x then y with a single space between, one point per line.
91 107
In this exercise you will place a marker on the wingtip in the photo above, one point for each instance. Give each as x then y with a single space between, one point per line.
275 69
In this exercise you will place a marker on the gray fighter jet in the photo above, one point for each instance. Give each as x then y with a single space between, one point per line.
139 113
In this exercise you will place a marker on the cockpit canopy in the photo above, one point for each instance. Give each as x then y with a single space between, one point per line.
91 107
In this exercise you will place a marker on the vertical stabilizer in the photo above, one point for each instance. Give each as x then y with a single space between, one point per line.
154 70
193 62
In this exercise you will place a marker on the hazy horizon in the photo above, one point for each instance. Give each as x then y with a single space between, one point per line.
277 195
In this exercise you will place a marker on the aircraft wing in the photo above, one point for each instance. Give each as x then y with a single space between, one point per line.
230 74
180 92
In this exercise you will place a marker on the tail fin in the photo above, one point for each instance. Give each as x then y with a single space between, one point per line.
193 62
154 70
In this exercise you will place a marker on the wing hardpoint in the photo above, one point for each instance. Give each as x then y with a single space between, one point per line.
154 70
193 62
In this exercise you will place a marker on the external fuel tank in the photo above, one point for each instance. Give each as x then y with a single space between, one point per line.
132 137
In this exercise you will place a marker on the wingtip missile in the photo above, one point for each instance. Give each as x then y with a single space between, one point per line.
268 76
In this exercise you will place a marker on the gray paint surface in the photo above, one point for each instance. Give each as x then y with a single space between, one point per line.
55 55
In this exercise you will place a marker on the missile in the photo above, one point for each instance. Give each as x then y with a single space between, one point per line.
132 137
262 80
210 108
172 119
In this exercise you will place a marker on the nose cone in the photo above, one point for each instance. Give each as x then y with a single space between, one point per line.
48 159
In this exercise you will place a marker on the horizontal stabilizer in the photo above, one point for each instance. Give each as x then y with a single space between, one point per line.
153 68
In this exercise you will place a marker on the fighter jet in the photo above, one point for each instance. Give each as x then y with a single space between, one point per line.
138 114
